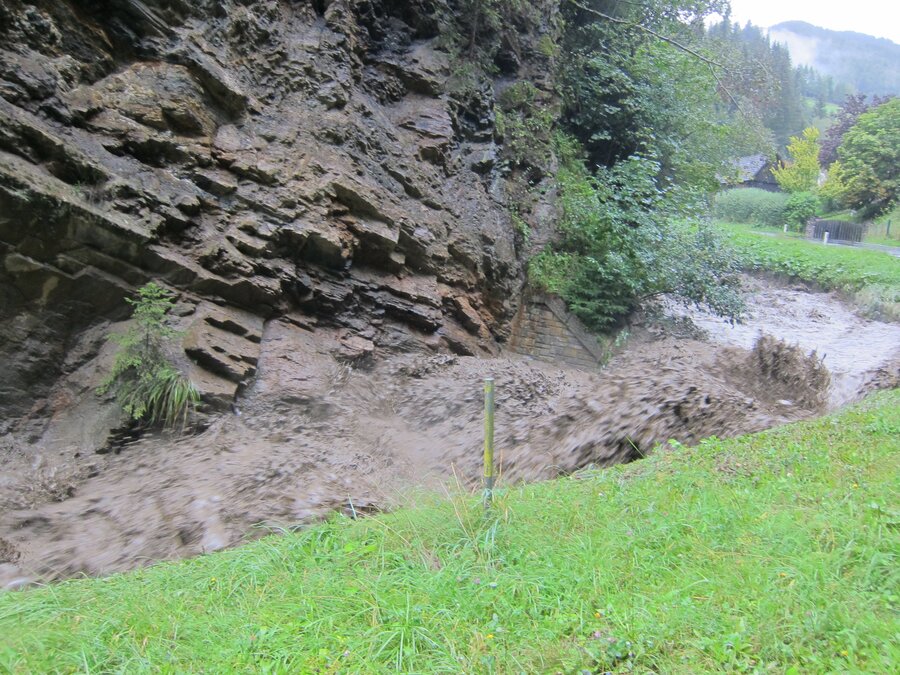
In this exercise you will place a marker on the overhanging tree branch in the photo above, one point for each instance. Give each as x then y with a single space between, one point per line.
649 31
675 43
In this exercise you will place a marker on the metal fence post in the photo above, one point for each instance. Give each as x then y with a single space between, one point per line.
488 441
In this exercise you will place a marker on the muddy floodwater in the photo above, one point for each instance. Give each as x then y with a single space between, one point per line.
854 349
312 436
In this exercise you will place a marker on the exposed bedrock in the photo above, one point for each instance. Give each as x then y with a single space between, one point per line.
263 157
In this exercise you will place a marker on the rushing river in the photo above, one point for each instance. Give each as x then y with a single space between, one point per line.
314 437
852 347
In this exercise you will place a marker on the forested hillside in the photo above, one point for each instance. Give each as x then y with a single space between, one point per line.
788 95
868 64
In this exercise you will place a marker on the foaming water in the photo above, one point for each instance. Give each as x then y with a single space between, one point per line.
315 436
851 347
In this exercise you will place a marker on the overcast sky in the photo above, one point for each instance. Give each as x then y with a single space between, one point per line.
880 18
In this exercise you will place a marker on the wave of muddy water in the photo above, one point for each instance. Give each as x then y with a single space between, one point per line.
314 436
857 352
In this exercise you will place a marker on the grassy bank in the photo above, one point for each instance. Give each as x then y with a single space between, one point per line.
878 232
775 552
871 278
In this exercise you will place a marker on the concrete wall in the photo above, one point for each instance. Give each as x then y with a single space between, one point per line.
546 330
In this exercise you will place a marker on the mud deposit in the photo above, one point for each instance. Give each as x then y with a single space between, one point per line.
313 435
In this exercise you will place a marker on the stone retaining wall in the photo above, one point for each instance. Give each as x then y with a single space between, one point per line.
546 330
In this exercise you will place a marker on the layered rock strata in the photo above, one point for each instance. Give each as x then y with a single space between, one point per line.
263 159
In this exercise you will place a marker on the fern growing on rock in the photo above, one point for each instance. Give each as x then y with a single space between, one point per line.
146 384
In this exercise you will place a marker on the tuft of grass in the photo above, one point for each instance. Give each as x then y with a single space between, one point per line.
871 278
774 552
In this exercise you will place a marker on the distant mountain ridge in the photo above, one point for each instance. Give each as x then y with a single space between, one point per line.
870 64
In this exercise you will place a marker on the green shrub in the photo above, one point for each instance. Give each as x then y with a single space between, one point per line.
528 139
147 386
752 206
799 208
518 96
525 127
624 241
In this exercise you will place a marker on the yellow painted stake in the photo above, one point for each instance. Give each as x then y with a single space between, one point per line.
488 441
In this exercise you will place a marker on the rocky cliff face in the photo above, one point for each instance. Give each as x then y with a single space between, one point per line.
266 159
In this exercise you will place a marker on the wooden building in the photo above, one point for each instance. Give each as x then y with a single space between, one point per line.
756 171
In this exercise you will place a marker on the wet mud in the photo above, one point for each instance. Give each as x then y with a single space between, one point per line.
313 435
858 352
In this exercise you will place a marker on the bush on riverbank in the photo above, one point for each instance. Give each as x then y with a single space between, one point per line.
771 552
751 205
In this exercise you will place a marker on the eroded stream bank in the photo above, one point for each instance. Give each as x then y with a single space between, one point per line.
313 435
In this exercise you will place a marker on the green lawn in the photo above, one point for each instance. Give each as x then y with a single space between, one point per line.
775 552
882 239
878 231
838 215
872 278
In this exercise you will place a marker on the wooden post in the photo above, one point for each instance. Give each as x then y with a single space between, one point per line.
488 441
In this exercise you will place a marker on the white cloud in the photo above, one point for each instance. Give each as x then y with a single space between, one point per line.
880 18
802 49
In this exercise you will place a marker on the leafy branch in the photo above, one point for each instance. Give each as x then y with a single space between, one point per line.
712 64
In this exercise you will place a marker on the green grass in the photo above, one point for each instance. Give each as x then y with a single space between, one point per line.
751 205
882 239
843 214
871 278
878 231
775 552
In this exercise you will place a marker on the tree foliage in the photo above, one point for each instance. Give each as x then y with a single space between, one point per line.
633 155
835 186
615 80
799 208
870 158
802 173
625 240
147 386
854 106
637 158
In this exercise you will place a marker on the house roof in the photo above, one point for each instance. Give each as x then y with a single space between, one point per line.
747 167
